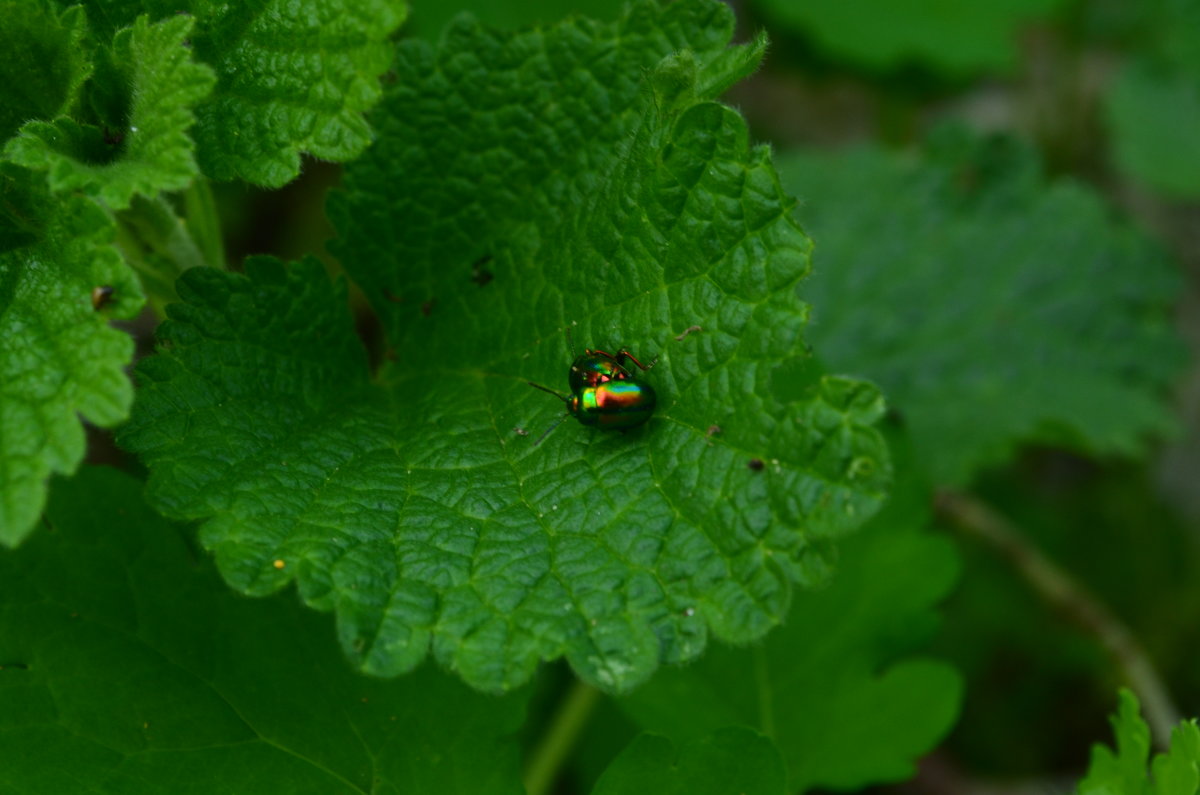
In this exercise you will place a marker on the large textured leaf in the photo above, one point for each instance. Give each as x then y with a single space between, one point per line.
951 37
293 76
410 505
837 686
148 153
993 308
126 666
1123 772
59 359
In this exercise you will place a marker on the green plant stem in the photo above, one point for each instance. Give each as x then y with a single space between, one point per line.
1062 591
200 209
155 242
560 735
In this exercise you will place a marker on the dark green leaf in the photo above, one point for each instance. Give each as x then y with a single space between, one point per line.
955 37
126 666
1154 103
732 760
430 19
992 307
44 63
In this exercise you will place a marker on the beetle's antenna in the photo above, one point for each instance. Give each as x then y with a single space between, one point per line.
571 342
547 389
552 427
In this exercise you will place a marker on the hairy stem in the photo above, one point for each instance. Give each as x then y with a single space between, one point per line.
547 758
1062 591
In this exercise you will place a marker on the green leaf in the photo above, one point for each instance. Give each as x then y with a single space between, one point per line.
59 359
410 505
1176 772
428 20
956 38
44 63
152 152
126 666
293 76
1153 106
730 760
993 307
836 686
1154 112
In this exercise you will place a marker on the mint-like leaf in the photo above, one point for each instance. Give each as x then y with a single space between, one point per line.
152 152
293 77
993 307
1176 772
835 687
59 359
44 63
410 505
955 38
128 666
730 760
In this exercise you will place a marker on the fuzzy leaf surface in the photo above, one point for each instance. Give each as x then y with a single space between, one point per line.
408 503
993 307
152 152
293 77
60 361
127 666
838 687
1123 772
44 63
730 760
954 38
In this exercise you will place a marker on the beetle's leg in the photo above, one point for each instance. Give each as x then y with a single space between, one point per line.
624 354
552 427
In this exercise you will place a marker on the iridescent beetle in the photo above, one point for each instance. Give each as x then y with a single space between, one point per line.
604 393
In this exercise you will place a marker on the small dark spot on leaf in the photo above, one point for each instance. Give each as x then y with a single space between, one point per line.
101 296
755 464
395 299
427 306
479 274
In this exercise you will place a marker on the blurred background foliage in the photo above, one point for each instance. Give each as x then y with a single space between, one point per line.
1106 94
